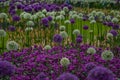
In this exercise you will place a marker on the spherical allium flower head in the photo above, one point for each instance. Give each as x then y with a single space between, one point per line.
107 55
67 76
44 20
12 28
27 16
115 20
66 9
44 11
62 28
85 27
47 47
100 73
50 18
57 38
78 40
89 66
64 34
28 29
67 22
72 21
12 45
109 35
2 33
6 69
92 21
116 26
91 50
41 76
76 32
64 62
3 16
15 18
114 32
30 23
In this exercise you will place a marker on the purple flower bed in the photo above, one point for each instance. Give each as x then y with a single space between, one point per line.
34 62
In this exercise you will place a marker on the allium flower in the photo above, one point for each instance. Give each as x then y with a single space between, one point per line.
27 16
100 73
89 66
67 22
30 23
47 47
16 18
92 21
79 39
2 33
64 62
114 32
76 32
41 76
115 20
57 38
72 21
109 35
64 34
67 76
50 18
66 9
12 45
44 20
3 16
85 27
91 50
28 29
6 69
44 11
62 28
107 55
12 28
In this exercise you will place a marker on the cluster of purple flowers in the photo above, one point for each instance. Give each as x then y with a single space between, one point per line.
35 62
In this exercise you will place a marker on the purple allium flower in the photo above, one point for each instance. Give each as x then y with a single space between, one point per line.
15 18
72 21
114 32
67 76
6 69
110 24
100 73
85 27
50 18
57 38
12 28
44 20
89 66
115 26
79 39
41 76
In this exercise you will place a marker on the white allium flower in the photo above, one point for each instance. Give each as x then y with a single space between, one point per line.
34 17
64 62
28 29
91 50
109 35
92 21
108 18
107 55
27 16
44 11
64 34
62 13
30 23
12 45
76 32
91 18
67 22
66 9
80 14
3 16
115 20
47 47
2 33
62 28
